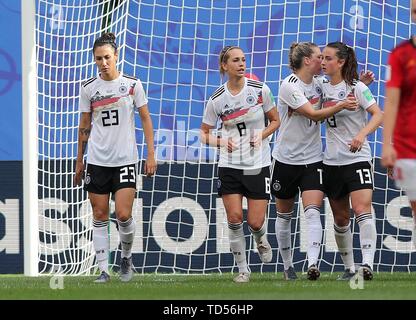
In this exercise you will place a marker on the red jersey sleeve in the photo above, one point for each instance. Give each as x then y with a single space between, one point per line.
395 72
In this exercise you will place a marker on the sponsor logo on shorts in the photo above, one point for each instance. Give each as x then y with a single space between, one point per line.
276 186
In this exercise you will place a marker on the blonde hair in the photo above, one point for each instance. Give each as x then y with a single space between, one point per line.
298 51
224 55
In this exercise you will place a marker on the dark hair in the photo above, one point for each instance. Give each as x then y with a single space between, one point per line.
349 69
298 51
107 38
224 55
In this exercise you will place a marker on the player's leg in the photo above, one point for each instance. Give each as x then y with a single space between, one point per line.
100 239
312 200
98 184
360 186
257 191
284 186
126 228
257 222
312 186
343 235
234 210
340 204
361 205
230 189
124 188
413 206
405 177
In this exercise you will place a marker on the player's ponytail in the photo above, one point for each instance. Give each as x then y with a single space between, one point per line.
297 52
349 69
106 39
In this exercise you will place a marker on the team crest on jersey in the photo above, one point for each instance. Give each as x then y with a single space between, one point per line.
276 186
87 179
318 90
341 95
250 100
123 89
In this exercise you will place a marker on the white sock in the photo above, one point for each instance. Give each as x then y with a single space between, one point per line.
368 237
283 236
313 222
343 238
238 246
258 234
101 243
126 230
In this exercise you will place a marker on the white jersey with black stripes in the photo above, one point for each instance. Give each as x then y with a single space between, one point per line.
345 125
112 142
242 116
299 139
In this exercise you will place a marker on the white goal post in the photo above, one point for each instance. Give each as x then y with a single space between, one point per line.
173 47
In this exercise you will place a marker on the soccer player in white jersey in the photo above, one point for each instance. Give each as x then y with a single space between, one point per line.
298 153
243 106
348 172
107 105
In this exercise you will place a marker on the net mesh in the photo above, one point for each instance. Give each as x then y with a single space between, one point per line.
173 47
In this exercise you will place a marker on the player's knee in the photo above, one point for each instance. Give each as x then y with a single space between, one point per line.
255 225
361 208
341 221
123 215
100 214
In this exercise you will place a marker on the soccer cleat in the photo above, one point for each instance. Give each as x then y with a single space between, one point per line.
103 278
366 272
313 272
346 276
243 277
290 274
265 250
126 272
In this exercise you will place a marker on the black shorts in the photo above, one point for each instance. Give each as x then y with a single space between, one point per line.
252 185
104 180
341 180
287 179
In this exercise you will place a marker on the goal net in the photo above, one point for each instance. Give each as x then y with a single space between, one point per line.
173 47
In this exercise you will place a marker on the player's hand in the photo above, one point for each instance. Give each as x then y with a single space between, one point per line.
229 144
357 143
256 140
349 104
79 173
150 166
388 158
367 77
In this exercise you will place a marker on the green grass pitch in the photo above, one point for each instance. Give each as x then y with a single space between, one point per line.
266 286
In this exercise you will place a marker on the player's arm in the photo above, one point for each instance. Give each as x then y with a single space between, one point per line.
370 127
391 106
270 110
317 115
295 98
274 122
84 131
150 164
